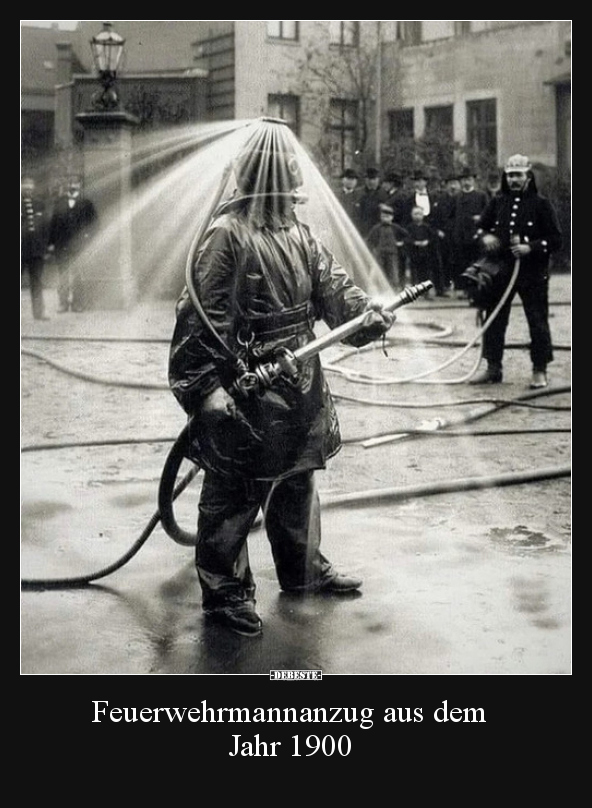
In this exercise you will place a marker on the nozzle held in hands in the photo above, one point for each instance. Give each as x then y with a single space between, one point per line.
409 294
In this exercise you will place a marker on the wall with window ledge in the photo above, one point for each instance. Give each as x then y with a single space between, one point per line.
510 64
274 66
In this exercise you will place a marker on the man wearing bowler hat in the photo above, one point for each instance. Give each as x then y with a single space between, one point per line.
369 202
348 194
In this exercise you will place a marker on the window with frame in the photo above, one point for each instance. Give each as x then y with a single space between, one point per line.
286 107
438 122
482 128
401 124
409 32
283 29
343 130
345 33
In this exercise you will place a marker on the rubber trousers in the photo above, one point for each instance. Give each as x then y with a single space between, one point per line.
228 508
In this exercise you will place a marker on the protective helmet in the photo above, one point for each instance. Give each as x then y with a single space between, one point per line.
268 164
517 162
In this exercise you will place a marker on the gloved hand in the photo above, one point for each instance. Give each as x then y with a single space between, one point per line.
490 243
519 250
219 404
379 322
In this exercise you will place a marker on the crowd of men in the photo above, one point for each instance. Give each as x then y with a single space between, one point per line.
415 230
487 243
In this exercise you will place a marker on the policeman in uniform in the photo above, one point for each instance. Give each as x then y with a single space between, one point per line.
33 243
519 223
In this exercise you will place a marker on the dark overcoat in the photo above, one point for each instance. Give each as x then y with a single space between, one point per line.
262 288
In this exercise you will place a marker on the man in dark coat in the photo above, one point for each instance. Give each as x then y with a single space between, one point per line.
70 229
261 279
369 200
469 205
393 195
519 223
33 243
418 197
442 218
348 193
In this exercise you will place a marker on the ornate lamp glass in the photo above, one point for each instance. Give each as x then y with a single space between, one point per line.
107 50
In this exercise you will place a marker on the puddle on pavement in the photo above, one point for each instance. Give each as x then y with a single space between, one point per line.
521 538
43 509
133 499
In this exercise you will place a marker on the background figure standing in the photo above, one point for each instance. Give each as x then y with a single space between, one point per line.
442 219
70 229
348 193
520 223
387 243
419 197
422 248
392 194
470 204
33 243
493 185
369 202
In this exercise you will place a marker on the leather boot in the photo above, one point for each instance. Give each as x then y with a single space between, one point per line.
492 375
539 379
237 614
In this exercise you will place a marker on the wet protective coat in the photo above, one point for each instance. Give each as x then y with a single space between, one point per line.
263 285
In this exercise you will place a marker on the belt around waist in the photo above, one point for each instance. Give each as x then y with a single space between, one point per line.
278 324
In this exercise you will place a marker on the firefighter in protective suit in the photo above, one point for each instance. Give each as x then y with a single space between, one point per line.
263 280
519 223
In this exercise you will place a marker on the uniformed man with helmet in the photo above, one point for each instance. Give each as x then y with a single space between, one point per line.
519 223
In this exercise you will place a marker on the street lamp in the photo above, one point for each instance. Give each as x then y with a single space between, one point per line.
107 49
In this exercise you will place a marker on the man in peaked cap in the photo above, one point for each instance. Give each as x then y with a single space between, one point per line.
519 223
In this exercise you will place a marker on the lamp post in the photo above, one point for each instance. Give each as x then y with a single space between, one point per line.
107 152
107 50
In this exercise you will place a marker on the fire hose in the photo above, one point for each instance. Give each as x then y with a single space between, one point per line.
286 364
363 378
170 490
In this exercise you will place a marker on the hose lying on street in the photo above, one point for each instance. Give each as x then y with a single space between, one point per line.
169 491
373 497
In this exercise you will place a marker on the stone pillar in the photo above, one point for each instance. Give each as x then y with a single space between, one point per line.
63 96
109 279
